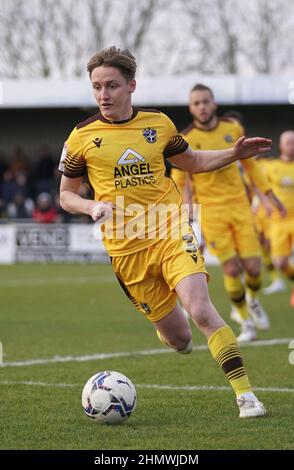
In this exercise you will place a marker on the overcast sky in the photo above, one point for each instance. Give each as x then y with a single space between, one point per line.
49 38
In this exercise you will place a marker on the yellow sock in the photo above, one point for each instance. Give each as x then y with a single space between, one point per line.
253 284
224 349
289 272
267 261
236 293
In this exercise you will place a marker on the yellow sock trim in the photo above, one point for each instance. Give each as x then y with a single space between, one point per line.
236 293
224 349
268 263
273 274
162 339
253 284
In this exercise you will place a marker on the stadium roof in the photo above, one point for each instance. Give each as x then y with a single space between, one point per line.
151 91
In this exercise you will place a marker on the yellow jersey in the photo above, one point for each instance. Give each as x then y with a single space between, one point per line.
124 162
281 176
223 186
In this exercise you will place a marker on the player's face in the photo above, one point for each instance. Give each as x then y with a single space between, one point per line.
112 93
202 106
287 145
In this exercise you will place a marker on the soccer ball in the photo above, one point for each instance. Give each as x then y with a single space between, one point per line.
109 397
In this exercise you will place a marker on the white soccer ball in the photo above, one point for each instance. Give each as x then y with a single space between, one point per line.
109 397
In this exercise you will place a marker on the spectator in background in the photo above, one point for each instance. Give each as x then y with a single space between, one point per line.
20 207
19 162
21 185
8 186
44 171
44 211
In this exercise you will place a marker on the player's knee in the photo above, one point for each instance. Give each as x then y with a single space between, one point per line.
253 266
253 271
232 268
200 315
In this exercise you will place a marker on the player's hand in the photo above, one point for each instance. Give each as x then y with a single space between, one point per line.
276 203
100 210
246 148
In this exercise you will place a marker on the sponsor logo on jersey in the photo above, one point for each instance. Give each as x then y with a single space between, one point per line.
130 156
150 135
133 170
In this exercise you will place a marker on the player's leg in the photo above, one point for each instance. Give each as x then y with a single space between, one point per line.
277 284
184 271
284 264
222 343
252 268
220 241
248 248
262 226
236 292
174 331
282 240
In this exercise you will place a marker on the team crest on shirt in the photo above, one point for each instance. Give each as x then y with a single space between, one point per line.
150 135
228 138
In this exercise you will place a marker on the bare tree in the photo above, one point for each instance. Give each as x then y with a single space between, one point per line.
12 16
42 38
49 38
213 44
269 34
228 37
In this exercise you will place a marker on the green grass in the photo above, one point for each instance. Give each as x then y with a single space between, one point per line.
44 314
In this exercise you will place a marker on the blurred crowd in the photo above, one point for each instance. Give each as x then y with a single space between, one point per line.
29 189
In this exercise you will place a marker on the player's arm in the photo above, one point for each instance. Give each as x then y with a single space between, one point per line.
203 161
72 202
269 201
262 186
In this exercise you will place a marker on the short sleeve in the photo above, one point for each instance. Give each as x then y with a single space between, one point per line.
72 163
175 142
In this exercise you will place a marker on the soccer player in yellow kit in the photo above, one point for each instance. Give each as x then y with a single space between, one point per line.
122 150
226 219
262 212
281 176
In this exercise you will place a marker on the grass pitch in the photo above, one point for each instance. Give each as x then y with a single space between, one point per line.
60 313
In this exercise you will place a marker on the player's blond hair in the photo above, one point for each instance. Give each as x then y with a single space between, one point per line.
122 60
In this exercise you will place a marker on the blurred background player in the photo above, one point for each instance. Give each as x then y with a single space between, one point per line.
262 212
226 218
281 176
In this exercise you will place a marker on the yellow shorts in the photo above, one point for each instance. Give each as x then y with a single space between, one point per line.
230 232
282 236
150 276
